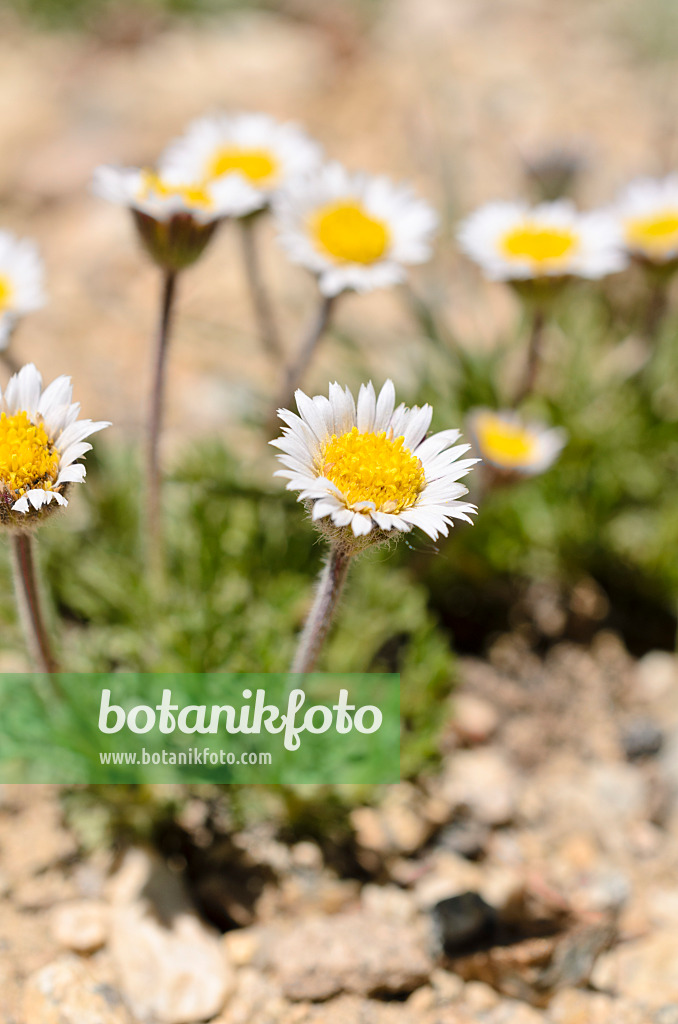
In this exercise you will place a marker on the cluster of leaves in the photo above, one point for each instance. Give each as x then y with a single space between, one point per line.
606 511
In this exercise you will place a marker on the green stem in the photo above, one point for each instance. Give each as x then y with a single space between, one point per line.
261 303
153 476
529 378
30 605
330 585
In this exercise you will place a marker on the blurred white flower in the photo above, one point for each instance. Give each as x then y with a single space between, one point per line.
507 442
369 468
512 241
162 195
249 155
354 231
21 282
41 439
175 216
648 213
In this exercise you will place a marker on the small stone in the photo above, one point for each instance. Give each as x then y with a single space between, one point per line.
256 999
241 946
646 970
174 974
388 901
171 967
461 922
466 837
656 674
421 1000
642 738
574 1006
448 987
605 890
369 829
481 781
509 1011
479 997
66 992
81 926
320 957
475 720
307 856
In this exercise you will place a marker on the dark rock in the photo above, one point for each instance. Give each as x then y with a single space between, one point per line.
642 738
463 922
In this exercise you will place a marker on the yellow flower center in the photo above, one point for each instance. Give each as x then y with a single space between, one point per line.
257 165
373 467
655 235
539 244
6 292
507 444
349 234
192 195
28 458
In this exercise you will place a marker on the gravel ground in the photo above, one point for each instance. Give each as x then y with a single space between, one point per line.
532 879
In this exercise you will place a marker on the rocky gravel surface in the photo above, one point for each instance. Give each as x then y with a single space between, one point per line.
532 879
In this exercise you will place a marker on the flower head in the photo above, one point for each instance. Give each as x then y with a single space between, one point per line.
355 232
21 282
648 215
368 470
248 154
176 215
41 439
515 242
512 446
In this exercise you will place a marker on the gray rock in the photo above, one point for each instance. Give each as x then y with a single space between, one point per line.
642 738
462 922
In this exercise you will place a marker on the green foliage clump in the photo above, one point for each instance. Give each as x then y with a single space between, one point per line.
606 510
241 563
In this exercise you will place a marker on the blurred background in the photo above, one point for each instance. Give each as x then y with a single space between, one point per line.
536 648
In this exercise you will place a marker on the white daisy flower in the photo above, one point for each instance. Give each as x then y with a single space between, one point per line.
354 231
369 468
506 442
516 242
648 214
21 282
163 195
248 154
41 439
175 216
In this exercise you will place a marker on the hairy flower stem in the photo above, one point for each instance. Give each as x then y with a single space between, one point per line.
28 599
261 303
529 378
153 515
296 371
328 592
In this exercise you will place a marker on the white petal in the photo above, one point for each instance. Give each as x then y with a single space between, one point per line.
385 407
23 391
367 404
78 431
72 474
361 525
